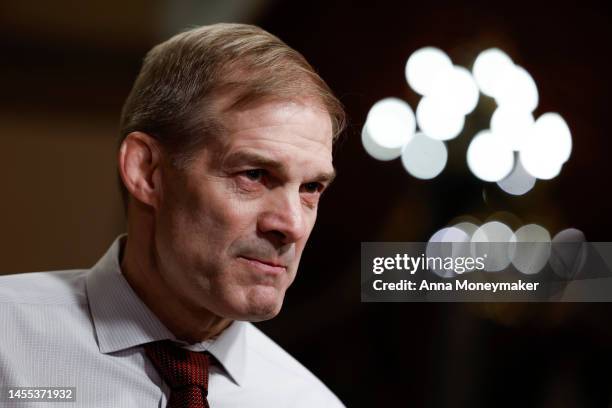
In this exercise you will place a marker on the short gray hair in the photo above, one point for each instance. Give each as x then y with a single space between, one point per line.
171 97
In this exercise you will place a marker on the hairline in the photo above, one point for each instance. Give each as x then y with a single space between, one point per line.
222 101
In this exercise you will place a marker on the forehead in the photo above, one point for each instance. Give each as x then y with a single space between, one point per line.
298 132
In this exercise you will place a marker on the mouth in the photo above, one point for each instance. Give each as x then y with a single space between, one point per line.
267 266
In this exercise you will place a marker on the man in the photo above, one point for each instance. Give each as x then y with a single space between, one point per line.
226 148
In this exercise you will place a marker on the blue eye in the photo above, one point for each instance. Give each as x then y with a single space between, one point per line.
254 174
313 187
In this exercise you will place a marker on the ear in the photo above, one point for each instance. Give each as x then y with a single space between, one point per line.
139 166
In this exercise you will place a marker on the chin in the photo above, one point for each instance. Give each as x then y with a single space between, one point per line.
261 316
261 306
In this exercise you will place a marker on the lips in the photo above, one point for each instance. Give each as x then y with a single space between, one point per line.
266 266
266 262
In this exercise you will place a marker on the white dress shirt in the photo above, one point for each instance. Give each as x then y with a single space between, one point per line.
85 329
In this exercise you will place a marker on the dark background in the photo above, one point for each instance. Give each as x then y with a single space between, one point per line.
67 67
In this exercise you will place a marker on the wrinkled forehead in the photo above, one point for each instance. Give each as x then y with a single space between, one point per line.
304 117
295 135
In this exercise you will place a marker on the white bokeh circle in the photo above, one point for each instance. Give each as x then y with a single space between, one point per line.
423 66
438 119
424 157
530 248
488 158
488 70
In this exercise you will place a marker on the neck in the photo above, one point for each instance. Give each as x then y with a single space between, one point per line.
139 268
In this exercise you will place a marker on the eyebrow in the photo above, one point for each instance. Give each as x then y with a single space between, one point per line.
259 160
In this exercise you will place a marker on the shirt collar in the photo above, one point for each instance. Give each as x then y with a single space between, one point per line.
121 320
229 348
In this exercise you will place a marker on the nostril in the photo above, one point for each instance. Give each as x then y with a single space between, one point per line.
278 238
279 235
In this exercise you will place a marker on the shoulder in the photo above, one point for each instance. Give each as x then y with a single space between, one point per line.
280 367
47 328
44 288
43 308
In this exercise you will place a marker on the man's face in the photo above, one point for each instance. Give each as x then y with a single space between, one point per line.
231 227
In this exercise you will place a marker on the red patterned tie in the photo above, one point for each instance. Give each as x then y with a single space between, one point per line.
186 372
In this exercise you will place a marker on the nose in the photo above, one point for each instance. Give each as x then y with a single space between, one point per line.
283 220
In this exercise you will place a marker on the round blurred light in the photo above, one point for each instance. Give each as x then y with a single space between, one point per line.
424 157
518 182
569 235
457 88
439 120
461 242
492 231
489 159
447 242
449 235
436 249
532 233
423 66
389 126
569 253
505 217
391 122
548 146
554 129
512 126
530 248
517 89
455 235
491 241
377 151
537 163
467 227
488 69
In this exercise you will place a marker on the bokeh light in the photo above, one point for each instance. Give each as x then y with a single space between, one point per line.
468 227
389 126
439 120
512 125
447 242
552 127
530 248
517 89
518 182
516 150
548 147
377 151
491 241
424 66
489 69
569 253
492 231
457 88
489 159
424 157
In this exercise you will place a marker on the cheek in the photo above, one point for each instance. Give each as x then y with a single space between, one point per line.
207 220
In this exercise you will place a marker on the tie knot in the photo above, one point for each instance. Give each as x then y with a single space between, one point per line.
177 366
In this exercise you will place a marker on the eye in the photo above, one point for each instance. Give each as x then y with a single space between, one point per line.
313 187
255 174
